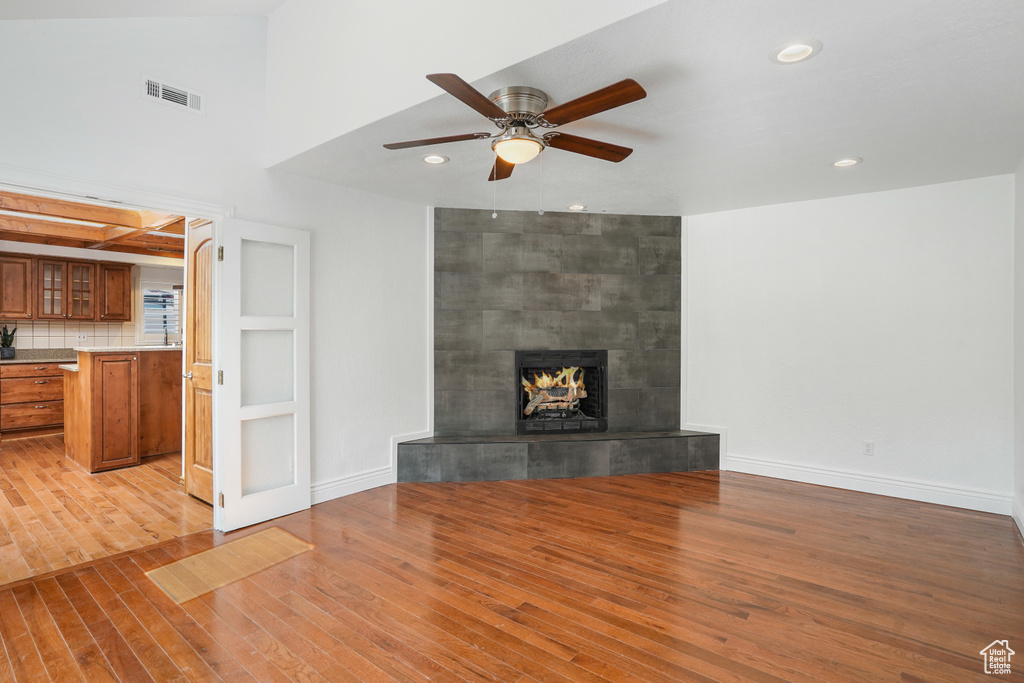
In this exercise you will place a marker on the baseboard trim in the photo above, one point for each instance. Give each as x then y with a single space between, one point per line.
323 491
1018 514
928 492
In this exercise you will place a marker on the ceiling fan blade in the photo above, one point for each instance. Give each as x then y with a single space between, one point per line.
591 148
502 169
437 141
467 93
614 95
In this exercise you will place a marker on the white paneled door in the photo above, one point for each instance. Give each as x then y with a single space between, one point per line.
261 411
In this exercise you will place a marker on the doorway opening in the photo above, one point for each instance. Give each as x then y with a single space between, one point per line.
99 298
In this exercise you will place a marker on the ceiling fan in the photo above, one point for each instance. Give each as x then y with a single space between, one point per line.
518 110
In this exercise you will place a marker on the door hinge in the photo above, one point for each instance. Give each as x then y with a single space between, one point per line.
220 499
220 377
220 253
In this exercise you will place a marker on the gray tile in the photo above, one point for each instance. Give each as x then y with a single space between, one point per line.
521 330
522 253
703 452
477 220
495 291
483 462
660 256
640 293
471 413
474 370
458 251
648 456
659 407
600 254
623 409
561 292
598 330
664 226
458 329
639 369
418 462
557 460
561 223
659 330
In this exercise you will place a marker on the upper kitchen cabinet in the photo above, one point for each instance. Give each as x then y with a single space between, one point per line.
16 287
67 289
115 295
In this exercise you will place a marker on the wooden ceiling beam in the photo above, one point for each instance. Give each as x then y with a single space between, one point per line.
175 228
28 225
11 201
122 234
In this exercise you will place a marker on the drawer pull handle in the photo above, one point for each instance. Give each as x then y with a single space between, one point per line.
41 367
42 381
42 406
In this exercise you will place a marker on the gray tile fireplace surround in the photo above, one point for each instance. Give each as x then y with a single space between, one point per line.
554 281
557 281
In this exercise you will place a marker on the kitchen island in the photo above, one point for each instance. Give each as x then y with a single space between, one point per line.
122 404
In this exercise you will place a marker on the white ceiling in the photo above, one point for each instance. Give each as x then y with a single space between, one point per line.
925 91
110 9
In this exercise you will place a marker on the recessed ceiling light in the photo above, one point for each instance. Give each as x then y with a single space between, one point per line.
796 51
847 161
435 159
576 207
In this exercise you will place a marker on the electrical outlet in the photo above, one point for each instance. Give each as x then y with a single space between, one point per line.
81 337
869 448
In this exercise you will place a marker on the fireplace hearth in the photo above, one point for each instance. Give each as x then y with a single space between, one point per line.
561 391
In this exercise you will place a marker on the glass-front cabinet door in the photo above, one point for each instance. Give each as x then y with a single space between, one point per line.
52 280
81 288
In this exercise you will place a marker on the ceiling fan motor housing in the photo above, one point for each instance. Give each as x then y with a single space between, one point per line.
520 101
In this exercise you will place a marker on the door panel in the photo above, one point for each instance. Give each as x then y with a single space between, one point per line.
198 385
262 411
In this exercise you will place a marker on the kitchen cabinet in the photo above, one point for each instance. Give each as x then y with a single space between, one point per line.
17 279
121 407
31 399
66 289
115 293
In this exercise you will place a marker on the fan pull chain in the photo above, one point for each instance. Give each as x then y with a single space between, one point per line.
541 211
494 190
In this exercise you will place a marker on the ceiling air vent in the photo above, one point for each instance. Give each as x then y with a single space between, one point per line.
173 96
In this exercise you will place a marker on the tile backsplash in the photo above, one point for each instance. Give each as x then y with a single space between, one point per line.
59 335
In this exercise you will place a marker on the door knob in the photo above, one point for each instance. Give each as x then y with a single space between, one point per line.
188 375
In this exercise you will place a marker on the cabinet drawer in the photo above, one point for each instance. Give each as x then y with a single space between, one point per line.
31 389
25 415
31 370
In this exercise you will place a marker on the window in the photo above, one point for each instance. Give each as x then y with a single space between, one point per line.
160 312
159 306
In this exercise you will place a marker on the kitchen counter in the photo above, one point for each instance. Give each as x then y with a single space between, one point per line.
70 367
41 356
124 349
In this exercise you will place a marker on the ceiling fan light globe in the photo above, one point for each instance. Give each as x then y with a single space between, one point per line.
517 150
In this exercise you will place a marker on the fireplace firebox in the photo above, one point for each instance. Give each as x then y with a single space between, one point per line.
561 391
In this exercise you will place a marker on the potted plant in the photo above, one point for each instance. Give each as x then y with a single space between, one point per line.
7 343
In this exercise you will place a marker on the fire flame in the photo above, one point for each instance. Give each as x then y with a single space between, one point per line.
566 377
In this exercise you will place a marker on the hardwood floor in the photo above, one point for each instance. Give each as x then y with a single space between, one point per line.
54 514
696 576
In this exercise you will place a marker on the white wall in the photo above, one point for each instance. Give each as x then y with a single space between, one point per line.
73 115
886 317
1018 348
336 66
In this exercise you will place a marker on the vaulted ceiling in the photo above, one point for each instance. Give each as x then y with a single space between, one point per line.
924 92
